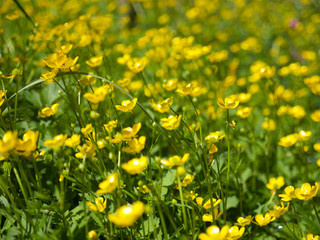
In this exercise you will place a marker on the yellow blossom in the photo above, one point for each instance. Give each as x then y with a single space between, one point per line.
278 211
100 204
289 194
275 183
244 221
269 125
127 105
263 220
108 185
316 147
135 145
235 233
135 165
95 61
187 180
129 133
49 76
171 123
144 189
48 111
136 65
73 141
86 151
207 204
288 140
307 192
175 160
57 141
303 135
214 137
127 215
214 232
110 125
87 80
163 106
92 235
208 217
8 142
243 112
171 84
311 237
228 102
315 116
87 130
28 143
98 95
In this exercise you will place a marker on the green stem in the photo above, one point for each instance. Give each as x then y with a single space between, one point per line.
183 206
315 209
228 171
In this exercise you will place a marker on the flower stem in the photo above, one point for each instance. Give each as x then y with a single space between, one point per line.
228 171
315 209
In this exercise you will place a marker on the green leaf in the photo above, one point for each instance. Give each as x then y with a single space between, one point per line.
169 178
232 202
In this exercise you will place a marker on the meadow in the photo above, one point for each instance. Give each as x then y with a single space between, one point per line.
169 119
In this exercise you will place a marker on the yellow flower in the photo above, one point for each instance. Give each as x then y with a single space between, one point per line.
207 204
95 61
297 112
187 180
86 151
175 160
214 233
98 95
127 215
57 141
48 111
135 165
275 183
214 137
208 217
315 116
110 125
137 64
303 135
73 141
8 142
263 220
306 192
289 194
278 211
269 125
228 103
55 60
244 221
244 112
199 201
87 130
127 105
163 106
100 204
288 140
135 145
87 80
92 235
128 133
48 76
171 123
108 185
311 237
144 189
28 143
235 233
316 147
171 84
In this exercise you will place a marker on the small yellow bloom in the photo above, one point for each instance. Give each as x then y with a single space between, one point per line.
8 143
108 185
311 237
228 102
269 125
307 192
163 106
28 143
235 233
100 204
87 130
73 141
214 137
288 140
136 65
315 116
110 125
208 217
316 147
244 221
187 180
57 141
48 111
214 232
289 194
171 123
127 105
171 84
243 112
135 165
303 135
129 133
263 220
49 76
87 80
144 189
135 145
95 61
278 211
98 95
207 204
175 160
92 235
127 215
86 151
275 183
